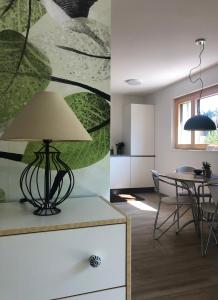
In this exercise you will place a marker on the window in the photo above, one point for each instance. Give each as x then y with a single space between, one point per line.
186 107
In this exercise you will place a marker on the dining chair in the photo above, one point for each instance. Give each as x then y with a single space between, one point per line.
191 185
209 215
177 201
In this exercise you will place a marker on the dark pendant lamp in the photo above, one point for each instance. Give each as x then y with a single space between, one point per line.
199 122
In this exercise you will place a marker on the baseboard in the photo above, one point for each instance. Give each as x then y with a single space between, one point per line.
132 191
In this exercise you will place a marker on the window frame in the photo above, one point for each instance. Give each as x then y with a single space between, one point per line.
193 98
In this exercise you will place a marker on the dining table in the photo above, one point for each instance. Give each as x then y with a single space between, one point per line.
196 180
189 177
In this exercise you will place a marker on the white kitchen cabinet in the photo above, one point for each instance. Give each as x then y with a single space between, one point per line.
139 129
131 172
119 172
48 257
141 172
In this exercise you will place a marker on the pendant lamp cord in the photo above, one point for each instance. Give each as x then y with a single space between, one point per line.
198 79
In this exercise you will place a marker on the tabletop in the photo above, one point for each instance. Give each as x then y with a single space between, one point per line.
189 177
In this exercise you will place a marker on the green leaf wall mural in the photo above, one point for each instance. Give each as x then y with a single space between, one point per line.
75 8
33 75
17 14
2 195
81 46
45 44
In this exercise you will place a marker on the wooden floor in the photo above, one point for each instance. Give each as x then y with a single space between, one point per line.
171 268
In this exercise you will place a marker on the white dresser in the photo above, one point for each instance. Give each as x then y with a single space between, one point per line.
81 254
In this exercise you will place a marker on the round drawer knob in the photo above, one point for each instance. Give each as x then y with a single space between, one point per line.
94 261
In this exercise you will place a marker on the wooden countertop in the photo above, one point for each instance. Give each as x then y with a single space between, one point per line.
16 218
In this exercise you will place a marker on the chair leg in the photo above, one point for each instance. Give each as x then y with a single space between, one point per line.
196 216
211 230
177 217
160 225
185 224
172 224
174 217
174 220
156 219
202 233
215 238
208 239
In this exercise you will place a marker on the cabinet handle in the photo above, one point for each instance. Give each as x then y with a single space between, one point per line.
94 261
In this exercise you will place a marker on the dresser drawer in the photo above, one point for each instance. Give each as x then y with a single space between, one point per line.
43 266
115 294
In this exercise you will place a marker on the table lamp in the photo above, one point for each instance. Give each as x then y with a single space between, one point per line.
47 117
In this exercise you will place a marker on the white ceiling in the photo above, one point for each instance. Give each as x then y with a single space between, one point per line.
153 40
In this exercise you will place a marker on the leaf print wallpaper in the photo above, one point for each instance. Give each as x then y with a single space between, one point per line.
61 46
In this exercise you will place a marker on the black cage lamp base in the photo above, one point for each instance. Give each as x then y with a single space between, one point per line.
51 194
47 211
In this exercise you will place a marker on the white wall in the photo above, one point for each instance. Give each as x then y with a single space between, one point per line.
118 102
168 158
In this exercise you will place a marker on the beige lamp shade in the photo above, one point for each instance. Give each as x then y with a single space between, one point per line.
46 117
